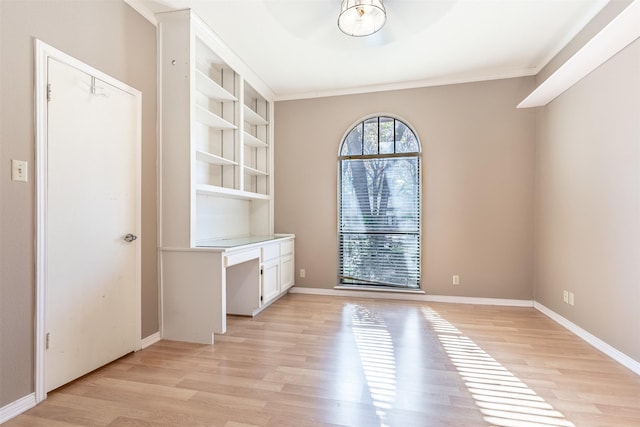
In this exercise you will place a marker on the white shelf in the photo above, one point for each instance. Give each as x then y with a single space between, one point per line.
252 141
255 172
213 121
212 89
203 156
205 56
212 190
253 118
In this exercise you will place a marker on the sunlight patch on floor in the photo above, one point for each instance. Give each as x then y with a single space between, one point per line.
375 348
502 398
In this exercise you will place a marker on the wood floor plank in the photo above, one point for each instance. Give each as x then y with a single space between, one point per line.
326 361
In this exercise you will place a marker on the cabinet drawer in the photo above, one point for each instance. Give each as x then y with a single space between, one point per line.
270 252
286 248
240 257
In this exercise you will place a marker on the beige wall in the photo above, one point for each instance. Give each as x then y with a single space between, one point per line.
478 153
107 35
588 202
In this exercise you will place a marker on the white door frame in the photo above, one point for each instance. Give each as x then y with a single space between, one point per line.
43 52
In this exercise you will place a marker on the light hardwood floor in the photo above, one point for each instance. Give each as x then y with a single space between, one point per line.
329 361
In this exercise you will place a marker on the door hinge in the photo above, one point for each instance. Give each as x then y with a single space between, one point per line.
261 298
48 92
46 341
261 271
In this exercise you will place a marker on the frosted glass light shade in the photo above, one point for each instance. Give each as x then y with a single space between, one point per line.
360 18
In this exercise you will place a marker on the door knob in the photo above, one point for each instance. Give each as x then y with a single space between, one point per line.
130 237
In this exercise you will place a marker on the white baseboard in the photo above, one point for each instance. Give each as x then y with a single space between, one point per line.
481 301
367 293
150 340
16 408
596 342
411 296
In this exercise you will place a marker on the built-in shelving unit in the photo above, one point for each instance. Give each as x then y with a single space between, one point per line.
216 140
218 251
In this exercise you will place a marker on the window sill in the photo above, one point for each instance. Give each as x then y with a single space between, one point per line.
379 289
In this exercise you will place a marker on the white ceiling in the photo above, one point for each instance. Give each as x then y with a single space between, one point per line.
298 51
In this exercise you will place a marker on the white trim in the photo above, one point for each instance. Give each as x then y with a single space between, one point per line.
619 33
410 296
44 51
150 340
596 342
160 291
380 289
41 216
17 407
416 84
481 301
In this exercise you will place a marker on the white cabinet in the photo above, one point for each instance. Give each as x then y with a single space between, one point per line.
287 267
270 281
270 272
277 269
287 273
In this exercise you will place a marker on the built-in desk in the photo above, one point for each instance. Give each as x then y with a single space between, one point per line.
201 285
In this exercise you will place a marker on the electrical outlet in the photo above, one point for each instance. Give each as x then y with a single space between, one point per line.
565 297
19 170
455 280
302 273
571 298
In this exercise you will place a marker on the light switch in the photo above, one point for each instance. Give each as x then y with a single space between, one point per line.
19 170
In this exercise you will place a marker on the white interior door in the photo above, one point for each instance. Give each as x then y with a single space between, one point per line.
92 272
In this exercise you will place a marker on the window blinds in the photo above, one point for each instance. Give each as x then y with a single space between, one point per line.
379 220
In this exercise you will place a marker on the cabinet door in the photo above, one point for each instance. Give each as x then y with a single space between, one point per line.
287 272
270 280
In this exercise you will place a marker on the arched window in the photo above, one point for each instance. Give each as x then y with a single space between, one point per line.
379 205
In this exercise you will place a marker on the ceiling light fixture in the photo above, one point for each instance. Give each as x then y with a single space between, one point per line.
360 18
